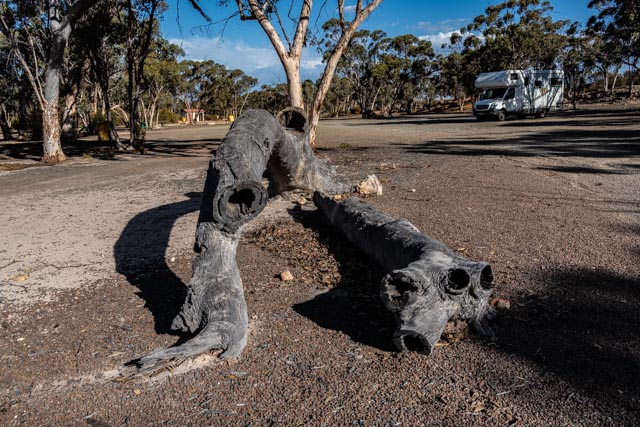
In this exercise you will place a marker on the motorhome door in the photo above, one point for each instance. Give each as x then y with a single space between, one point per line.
512 102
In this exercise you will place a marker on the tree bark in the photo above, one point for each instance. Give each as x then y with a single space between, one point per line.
426 284
52 149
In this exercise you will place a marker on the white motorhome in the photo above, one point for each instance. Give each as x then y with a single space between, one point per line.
518 93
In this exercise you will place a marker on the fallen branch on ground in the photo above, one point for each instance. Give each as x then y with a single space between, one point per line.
427 284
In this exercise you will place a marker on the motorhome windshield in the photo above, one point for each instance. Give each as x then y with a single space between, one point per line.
495 93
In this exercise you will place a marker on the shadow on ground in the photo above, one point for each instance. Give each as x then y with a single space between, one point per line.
140 256
584 328
585 134
353 306
102 150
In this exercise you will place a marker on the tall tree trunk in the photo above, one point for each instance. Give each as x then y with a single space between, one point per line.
294 83
52 149
4 124
332 63
69 115
22 115
60 26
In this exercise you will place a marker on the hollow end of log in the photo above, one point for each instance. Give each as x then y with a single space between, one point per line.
411 341
458 280
486 277
240 203
293 119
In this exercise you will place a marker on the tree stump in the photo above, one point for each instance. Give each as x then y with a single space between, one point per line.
426 284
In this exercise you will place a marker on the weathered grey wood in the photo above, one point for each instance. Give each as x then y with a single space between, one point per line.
293 165
215 307
426 284
233 194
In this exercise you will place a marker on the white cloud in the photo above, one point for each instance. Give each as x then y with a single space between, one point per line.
350 9
438 39
447 25
259 62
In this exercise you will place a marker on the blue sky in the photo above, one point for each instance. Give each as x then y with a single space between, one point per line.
243 45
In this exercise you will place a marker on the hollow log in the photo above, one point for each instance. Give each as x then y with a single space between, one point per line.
426 284
293 166
215 308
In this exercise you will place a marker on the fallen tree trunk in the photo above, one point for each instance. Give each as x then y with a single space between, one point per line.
233 195
426 284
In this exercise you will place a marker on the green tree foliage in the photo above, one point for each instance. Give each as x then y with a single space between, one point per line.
271 98
617 25
518 34
214 88
358 63
161 78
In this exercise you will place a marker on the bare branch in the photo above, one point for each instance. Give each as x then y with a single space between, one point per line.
33 79
258 12
301 30
284 31
241 11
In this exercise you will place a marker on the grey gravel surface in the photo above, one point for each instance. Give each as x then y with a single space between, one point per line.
94 255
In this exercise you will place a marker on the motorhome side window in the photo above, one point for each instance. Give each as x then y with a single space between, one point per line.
511 93
537 83
514 76
556 82
526 81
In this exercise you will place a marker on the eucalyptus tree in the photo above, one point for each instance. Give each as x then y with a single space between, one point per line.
101 34
9 88
405 66
339 97
518 34
288 45
618 26
458 69
140 20
240 85
45 29
358 64
272 98
577 62
161 77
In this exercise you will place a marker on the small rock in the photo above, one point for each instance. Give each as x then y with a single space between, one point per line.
137 392
500 304
477 407
21 278
172 259
413 190
370 187
286 276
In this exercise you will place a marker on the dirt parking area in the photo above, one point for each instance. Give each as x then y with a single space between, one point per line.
95 254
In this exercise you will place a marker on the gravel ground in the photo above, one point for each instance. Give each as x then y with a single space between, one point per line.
94 255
